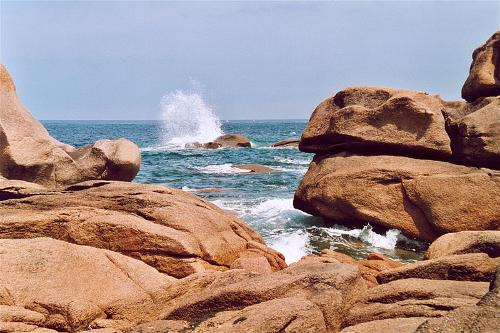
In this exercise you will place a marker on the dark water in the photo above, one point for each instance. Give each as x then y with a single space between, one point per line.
264 201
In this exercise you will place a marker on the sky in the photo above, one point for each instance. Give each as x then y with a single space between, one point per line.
250 60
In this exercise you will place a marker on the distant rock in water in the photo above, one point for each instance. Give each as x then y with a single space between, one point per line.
223 141
28 152
484 75
257 168
287 143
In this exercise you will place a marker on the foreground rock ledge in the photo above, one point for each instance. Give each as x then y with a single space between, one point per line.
28 152
174 231
66 287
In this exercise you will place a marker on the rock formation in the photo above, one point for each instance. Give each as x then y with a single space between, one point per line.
407 160
174 231
28 152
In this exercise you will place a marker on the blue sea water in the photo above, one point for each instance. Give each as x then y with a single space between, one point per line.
264 201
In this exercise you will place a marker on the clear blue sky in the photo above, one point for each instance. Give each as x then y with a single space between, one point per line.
254 60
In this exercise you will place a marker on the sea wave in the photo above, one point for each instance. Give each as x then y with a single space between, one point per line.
221 169
293 161
293 245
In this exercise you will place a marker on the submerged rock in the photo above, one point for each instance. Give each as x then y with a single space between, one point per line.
287 143
28 152
255 168
174 231
484 77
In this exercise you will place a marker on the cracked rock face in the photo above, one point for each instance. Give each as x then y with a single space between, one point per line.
28 152
423 198
174 231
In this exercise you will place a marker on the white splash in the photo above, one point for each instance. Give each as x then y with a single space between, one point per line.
274 208
221 169
367 235
293 245
293 161
187 118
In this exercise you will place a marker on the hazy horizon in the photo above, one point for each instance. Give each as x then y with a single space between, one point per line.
250 60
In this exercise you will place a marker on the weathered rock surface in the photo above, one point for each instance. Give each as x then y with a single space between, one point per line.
408 194
292 314
474 130
174 231
393 325
466 242
414 298
28 152
255 168
369 268
62 286
331 287
466 267
382 120
481 318
287 143
484 76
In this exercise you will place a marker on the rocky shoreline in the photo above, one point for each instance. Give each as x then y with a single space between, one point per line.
84 250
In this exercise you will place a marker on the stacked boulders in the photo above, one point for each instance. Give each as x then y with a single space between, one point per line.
408 160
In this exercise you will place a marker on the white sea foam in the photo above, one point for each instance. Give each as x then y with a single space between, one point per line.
221 169
274 207
367 235
187 118
291 160
293 245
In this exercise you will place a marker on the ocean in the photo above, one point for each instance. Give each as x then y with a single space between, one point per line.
264 201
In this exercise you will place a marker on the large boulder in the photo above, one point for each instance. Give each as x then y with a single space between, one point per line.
484 76
67 287
378 120
466 242
411 195
174 231
474 129
28 152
